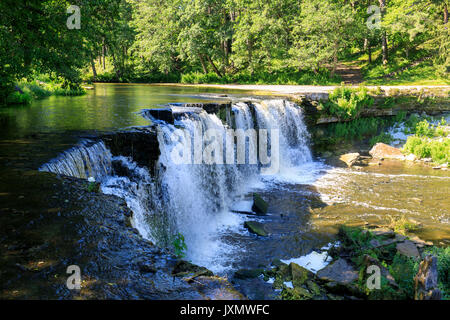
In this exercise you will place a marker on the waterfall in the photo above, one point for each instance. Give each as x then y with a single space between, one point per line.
193 198
88 159
288 118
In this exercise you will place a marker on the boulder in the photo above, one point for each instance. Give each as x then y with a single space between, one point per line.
420 243
426 280
256 228
299 274
411 157
339 271
383 232
184 268
350 158
248 273
408 248
259 205
384 151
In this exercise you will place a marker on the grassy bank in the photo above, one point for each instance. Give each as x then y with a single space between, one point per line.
26 91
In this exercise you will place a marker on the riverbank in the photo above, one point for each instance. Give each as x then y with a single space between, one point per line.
24 92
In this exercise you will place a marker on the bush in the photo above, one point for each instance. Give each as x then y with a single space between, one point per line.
19 98
423 147
382 137
347 103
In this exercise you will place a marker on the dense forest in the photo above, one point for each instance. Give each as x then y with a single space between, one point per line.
222 41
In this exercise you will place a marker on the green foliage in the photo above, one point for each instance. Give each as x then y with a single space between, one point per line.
404 269
402 225
382 137
346 102
321 32
276 77
93 187
423 147
179 245
19 98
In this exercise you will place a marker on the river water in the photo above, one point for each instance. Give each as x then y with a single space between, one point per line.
307 198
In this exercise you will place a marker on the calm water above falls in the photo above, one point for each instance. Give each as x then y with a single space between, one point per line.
306 201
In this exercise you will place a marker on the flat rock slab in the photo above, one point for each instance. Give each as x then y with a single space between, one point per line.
408 248
350 158
339 271
383 232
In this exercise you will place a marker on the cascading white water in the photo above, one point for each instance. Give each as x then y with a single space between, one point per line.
288 118
193 199
83 161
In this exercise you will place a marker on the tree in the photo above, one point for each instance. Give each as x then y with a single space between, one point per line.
35 38
322 30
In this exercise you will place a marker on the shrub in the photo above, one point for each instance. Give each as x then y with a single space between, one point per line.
19 98
423 147
382 137
346 102
402 225
179 245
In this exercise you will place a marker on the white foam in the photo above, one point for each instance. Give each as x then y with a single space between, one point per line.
313 261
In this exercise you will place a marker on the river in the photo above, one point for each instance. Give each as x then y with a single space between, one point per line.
307 199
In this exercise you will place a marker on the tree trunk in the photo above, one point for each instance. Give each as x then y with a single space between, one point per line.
103 55
202 61
445 14
369 52
116 67
94 71
384 44
335 59
213 66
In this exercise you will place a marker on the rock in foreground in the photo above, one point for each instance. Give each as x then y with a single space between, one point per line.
384 151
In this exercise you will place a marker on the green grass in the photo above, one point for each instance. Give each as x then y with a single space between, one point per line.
424 73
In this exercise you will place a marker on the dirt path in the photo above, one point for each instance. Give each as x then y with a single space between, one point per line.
350 73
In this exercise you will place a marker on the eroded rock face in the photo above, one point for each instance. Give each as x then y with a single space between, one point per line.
350 158
384 151
426 280
140 145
